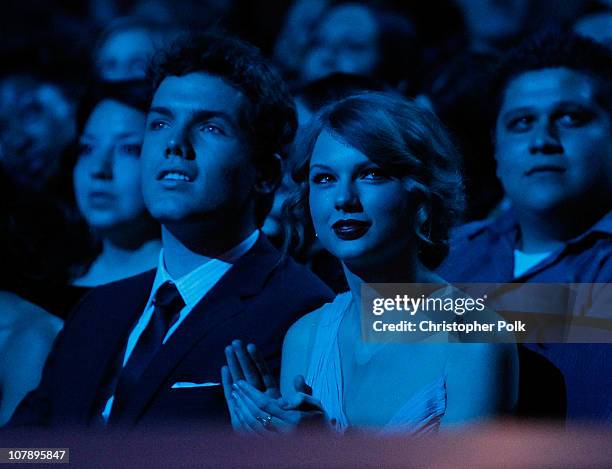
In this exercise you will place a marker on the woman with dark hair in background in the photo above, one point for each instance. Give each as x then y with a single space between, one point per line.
107 183
379 177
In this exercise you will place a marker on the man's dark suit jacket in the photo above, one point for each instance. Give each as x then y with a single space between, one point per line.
256 301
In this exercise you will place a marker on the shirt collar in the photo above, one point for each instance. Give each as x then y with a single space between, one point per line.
506 225
189 284
604 226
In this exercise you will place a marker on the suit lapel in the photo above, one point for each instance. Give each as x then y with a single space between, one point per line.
128 302
226 300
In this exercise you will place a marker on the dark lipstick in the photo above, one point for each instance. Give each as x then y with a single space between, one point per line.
350 229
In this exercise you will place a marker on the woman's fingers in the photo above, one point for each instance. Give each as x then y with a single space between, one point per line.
261 400
303 402
262 366
243 427
233 365
299 384
257 420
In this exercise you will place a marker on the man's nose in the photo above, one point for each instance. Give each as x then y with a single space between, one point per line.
347 198
179 145
545 140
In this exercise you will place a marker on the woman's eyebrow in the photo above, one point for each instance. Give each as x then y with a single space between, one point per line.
320 166
367 164
87 136
128 134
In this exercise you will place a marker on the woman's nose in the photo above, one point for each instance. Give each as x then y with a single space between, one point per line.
347 198
102 167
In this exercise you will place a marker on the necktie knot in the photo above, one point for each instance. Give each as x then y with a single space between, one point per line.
168 301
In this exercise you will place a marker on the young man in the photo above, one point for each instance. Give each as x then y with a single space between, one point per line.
149 350
553 146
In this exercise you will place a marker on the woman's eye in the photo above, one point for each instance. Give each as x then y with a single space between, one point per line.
83 149
132 149
322 178
374 174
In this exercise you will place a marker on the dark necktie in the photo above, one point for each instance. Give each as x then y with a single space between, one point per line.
167 305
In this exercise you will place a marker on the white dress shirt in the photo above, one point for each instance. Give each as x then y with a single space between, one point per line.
192 287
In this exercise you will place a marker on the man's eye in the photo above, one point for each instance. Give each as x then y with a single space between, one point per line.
572 119
132 149
322 178
213 129
157 125
520 124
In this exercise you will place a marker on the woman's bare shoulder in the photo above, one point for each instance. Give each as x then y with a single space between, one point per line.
300 333
20 315
304 328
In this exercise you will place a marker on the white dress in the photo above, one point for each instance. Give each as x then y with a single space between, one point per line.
420 414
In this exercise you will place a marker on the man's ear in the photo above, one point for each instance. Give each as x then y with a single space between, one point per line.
270 176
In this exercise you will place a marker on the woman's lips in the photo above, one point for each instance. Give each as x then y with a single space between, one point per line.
101 199
350 229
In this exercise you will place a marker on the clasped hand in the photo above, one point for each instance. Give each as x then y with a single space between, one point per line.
253 397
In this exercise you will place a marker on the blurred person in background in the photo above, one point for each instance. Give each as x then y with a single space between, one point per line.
493 24
107 182
292 42
37 125
596 24
126 46
455 93
365 40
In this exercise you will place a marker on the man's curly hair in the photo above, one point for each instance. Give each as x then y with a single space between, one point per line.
268 115
555 49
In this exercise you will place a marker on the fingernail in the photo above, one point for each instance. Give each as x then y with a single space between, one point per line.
235 386
234 394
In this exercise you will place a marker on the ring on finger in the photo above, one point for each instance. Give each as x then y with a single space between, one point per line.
264 420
